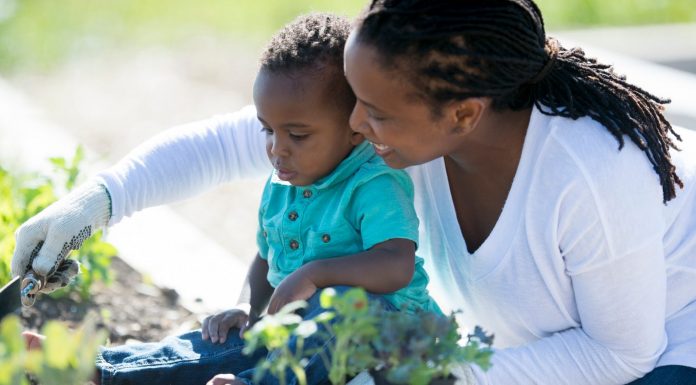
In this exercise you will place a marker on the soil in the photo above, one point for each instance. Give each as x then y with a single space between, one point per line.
129 308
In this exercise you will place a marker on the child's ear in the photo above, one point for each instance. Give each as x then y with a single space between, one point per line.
356 138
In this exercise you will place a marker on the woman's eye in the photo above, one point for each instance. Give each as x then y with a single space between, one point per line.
299 137
267 130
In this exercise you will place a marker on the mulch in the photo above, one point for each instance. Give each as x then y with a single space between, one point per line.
130 309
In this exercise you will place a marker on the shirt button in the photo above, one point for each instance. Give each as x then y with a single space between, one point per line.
293 215
326 238
294 244
307 193
265 234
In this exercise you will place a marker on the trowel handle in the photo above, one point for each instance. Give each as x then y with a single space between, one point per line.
31 284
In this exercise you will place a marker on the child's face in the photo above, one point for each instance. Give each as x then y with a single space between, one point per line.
307 130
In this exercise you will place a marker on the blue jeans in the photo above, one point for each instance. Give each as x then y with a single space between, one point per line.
669 375
188 359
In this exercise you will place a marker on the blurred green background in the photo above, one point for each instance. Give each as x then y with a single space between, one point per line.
40 34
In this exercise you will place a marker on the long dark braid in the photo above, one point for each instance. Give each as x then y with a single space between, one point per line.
456 49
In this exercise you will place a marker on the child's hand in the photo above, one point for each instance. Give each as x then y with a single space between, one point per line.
295 287
224 379
216 327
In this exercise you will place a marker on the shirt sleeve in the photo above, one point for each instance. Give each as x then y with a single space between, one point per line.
187 160
383 209
610 237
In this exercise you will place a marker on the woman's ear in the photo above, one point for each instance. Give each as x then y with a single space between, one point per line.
356 138
466 114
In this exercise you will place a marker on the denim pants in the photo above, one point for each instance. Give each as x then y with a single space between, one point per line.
190 360
669 375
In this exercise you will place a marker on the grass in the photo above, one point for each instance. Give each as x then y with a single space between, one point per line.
41 34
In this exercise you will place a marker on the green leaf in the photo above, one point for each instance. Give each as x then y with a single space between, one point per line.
58 162
55 346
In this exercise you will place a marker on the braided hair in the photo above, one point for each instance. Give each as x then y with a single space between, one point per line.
499 49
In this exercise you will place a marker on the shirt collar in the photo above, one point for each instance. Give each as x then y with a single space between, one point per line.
348 166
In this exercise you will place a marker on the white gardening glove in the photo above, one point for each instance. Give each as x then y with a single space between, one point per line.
43 242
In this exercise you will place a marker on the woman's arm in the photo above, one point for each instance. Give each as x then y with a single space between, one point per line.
186 160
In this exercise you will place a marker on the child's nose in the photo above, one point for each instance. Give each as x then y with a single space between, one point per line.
279 147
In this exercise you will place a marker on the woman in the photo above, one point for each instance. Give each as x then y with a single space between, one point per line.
577 256
555 209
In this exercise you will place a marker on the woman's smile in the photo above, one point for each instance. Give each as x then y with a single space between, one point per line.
381 149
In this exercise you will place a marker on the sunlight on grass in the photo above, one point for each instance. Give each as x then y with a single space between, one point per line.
39 34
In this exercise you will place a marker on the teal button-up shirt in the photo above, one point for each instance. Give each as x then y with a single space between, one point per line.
361 203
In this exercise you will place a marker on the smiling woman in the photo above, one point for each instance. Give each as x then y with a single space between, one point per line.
527 206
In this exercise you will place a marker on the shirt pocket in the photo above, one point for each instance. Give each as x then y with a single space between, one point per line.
330 242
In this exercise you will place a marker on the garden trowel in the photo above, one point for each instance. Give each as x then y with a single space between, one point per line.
10 298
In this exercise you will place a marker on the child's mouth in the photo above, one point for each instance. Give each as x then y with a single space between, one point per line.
285 175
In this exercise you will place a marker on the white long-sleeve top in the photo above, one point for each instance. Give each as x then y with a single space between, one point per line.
586 278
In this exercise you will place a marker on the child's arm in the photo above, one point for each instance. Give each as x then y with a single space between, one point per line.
386 267
256 291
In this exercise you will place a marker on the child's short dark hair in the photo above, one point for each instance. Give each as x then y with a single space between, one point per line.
309 41
312 42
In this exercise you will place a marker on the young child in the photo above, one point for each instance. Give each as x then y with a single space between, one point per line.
332 214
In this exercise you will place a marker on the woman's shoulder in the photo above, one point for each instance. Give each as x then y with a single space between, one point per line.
596 154
599 154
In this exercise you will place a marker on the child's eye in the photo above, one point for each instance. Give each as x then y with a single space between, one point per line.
299 136
375 117
267 130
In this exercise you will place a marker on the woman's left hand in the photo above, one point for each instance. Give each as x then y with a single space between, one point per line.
295 287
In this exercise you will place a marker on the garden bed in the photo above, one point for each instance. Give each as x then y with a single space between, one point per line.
130 309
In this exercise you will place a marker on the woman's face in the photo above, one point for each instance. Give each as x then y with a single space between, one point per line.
389 113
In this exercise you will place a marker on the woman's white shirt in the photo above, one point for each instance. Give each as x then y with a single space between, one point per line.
187 160
578 278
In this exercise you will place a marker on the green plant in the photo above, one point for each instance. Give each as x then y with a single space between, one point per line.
407 348
274 333
417 348
65 358
412 349
25 195
352 323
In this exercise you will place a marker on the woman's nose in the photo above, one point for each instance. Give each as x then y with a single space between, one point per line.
358 121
